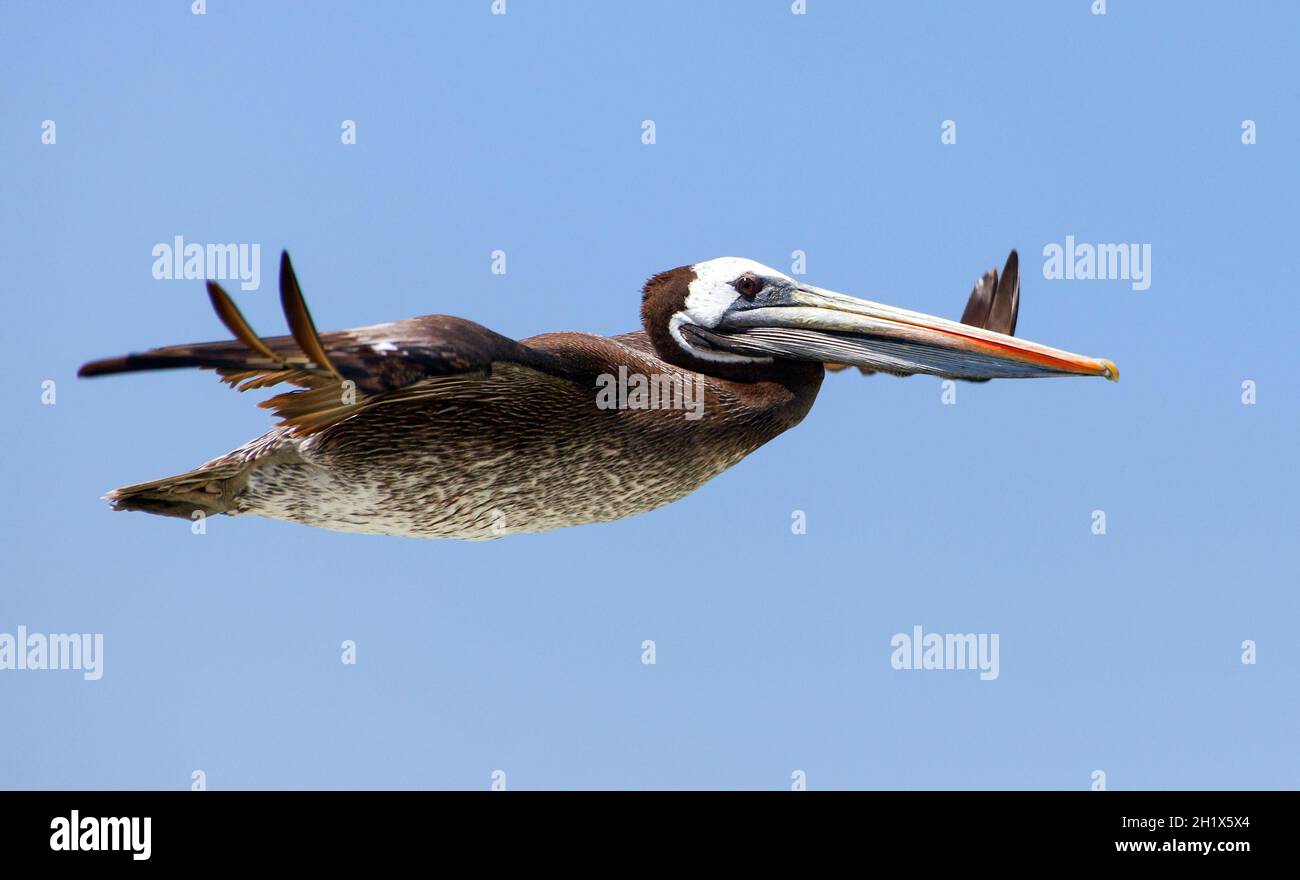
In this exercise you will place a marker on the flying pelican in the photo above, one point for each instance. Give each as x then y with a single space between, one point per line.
437 427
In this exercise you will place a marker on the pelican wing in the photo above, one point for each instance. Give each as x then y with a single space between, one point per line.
340 373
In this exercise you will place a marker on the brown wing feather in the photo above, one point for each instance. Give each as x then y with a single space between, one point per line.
341 372
300 323
980 303
1006 300
994 304
230 315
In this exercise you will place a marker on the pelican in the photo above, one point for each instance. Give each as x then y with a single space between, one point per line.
437 427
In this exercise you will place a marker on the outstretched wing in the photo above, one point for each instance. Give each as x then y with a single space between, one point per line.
343 372
994 304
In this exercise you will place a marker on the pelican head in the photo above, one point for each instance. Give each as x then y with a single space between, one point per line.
731 310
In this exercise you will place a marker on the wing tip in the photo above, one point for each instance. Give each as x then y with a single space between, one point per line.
101 367
298 316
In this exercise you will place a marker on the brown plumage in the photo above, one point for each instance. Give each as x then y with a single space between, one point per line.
438 427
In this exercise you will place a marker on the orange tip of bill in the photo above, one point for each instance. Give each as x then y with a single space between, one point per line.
1110 371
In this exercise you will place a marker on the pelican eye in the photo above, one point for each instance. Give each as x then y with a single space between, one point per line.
748 285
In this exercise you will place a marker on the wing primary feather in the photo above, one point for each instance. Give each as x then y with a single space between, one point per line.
234 320
1006 299
300 322
980 303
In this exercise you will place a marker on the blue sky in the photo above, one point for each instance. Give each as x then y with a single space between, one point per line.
774 133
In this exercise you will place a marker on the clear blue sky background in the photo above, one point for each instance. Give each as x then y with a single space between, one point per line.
775 132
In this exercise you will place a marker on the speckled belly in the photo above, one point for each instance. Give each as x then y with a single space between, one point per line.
484 468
